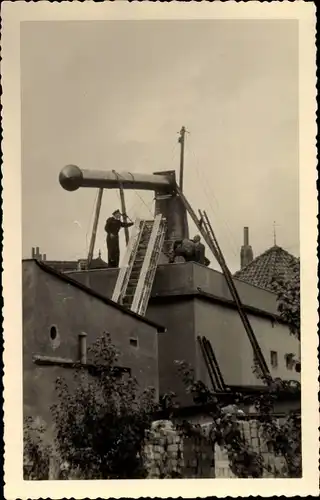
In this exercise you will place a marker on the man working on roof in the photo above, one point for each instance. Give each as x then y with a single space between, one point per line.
183 248
112 228
199 251
191 250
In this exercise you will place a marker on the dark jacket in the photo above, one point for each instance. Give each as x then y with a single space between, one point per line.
199 253
114 225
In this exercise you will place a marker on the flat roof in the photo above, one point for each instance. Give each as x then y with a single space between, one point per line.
95 294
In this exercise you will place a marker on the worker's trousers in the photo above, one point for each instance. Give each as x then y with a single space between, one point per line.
113 250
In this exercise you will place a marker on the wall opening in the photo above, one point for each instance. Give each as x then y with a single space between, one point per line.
133 342
289 361
53 332
54 336
274 359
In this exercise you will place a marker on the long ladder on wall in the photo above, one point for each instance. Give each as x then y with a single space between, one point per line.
209 237
137 272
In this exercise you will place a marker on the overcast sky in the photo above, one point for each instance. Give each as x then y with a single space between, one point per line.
113 95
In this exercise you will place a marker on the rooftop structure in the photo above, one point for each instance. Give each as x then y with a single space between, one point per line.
271 264
68 265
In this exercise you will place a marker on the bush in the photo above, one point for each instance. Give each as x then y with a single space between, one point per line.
283 438
36 453
100 425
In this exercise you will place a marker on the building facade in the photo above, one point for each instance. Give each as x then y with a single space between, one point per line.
56 310
194 301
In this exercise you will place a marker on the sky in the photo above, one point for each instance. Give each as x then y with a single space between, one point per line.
114 94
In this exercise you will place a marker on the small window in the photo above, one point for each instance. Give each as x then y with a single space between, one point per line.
54 336
289 361
53 332
133 342
274 359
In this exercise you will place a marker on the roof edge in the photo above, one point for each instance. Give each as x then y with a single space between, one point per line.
93 293
220 300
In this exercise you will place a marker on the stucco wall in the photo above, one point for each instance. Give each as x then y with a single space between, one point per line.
48 301
223 327
185 318
214 282
102 281
177 343
184 278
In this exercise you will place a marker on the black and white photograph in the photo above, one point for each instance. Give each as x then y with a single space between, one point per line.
161 247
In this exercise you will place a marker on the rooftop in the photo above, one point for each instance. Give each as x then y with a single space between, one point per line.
71 265
263 269
66 278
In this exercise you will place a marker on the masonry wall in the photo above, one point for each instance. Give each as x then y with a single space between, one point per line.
47 302
169 453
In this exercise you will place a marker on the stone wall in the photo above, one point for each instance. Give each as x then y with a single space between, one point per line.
253 434
164 451
168 454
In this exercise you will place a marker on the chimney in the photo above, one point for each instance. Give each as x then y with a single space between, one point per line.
44 257
37 256
246 254
246 236
33 253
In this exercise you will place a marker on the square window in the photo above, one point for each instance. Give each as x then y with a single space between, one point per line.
274 359
289 361
133 342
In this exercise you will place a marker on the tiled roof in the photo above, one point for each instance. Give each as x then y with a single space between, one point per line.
263 269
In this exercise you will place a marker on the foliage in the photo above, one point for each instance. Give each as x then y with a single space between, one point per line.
100 423
225 428
287 288
284 438
36 453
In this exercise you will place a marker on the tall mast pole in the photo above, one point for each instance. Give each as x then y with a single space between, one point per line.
95 227
123 206
124 213
181 141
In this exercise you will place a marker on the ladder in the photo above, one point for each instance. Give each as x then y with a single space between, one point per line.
209 237
212 365
137 272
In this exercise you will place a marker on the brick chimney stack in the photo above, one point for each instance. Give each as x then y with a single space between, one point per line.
37 255
246 254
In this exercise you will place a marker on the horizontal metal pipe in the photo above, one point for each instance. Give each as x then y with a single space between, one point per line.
72 178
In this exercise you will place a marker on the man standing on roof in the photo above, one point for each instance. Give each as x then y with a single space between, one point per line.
112 228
